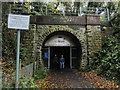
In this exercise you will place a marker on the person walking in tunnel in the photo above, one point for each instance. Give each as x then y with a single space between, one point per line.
62 62
55 61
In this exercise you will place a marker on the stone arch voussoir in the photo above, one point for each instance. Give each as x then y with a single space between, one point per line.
73 32
50 31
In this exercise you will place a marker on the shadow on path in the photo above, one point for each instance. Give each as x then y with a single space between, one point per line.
67 78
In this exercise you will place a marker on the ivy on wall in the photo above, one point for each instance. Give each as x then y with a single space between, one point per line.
107 62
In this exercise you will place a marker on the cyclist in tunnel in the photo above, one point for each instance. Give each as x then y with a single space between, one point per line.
55 61
62 62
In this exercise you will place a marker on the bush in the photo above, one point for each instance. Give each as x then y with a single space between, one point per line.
41 73
108 59
27 84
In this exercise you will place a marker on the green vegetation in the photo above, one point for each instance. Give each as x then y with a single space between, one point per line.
27 84
41 73
40 8
107 61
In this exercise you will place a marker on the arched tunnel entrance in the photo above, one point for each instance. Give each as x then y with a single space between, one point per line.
61 43
61 50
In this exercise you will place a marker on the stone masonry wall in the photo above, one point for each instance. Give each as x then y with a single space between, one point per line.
27 46
94 41
89 37
79 31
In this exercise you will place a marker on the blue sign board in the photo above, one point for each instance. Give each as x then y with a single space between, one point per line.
45 55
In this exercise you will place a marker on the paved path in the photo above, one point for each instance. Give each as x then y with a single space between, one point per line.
67 78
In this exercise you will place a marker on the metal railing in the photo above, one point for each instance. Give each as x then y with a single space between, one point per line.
67 11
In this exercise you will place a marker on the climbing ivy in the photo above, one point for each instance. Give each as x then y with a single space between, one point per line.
107 62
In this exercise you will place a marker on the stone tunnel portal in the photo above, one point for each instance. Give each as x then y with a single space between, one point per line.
61 43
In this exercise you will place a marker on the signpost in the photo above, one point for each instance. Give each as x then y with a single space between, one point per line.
18 22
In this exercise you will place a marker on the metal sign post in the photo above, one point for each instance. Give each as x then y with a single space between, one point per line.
17 58
18 22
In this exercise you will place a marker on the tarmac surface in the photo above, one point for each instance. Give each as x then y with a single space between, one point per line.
67 78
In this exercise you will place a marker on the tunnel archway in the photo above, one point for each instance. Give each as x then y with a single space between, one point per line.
62 43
